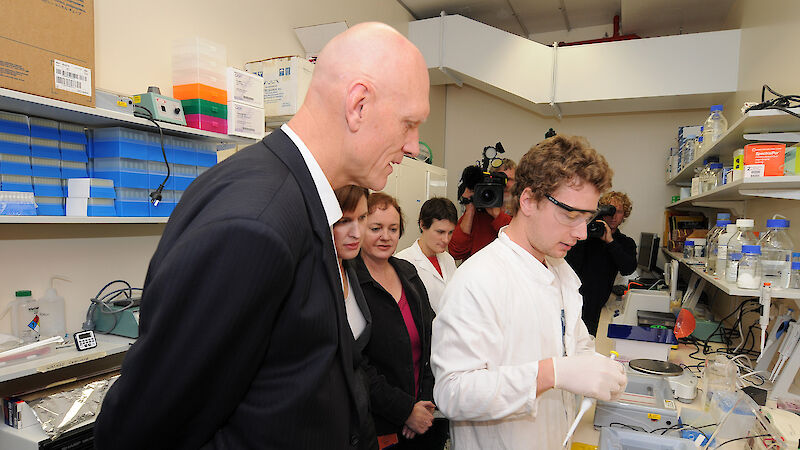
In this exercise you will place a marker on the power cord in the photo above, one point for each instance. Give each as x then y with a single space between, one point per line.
781 102
155 196
104 302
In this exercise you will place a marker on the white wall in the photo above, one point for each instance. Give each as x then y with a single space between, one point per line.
634 144
133 51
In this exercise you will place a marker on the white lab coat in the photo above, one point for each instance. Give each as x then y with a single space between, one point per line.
434 283
501 315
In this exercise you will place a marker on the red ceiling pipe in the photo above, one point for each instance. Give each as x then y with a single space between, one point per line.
614 38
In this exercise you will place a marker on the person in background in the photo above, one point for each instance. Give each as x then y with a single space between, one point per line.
437 220
396 358
510 350
477 227
243 335
347 234
598 260
508 167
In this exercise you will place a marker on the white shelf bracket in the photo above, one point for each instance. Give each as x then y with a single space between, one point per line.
737 207
791 194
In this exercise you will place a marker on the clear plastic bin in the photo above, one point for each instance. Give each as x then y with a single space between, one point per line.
46 167
15 144
206 156
196 49
50 206
91 207
165 206
133 202
214 78
20 183
154 148
45 148
737 424
15 164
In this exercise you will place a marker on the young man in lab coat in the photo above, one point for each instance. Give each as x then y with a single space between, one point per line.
509 349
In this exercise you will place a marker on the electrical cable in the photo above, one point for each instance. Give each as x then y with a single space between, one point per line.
743 437
155 196
781 102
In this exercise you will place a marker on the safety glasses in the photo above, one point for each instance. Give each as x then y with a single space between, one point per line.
570 216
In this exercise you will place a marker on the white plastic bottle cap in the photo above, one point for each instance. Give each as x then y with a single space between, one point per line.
747 223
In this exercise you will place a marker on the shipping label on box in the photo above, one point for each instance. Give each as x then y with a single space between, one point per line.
245 88
47 49
244 120
764 160
286 81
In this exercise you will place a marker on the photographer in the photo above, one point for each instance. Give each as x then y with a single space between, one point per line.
597 259
477 227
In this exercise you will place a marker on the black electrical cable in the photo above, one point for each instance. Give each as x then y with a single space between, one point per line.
743 437
781 102
624 425
155 196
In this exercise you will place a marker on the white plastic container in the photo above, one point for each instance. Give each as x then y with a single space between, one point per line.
25 317
744 236
286 81
245 120
749 271
722 249
52 311
245 88
776 253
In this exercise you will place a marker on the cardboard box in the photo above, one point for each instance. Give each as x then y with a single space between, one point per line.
47 49
245 88
286 81
764 160
245 120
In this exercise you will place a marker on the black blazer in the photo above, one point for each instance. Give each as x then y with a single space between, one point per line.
388 360
363 339
244 341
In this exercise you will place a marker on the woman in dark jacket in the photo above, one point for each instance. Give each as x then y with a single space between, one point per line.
396 359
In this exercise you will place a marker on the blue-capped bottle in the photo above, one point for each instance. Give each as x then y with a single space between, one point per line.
776 253
715 126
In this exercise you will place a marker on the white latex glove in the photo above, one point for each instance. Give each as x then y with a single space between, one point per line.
590 375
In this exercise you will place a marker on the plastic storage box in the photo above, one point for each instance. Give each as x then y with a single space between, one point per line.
46 167
74 169
13 123
133 202
207 123
245 88
47 187
183 176
183 151
125 172
200 106
15 144
73 152
154 152
120 142
622 439
94 207
15 164
44 128
14 203
156 172
245 120
201 91
206 154
19 183
165 206
50 206
45 148
72 133
198 60
90 188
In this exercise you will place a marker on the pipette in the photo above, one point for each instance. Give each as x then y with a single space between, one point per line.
766 298
585 404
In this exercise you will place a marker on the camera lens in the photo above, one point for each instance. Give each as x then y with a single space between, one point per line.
488 196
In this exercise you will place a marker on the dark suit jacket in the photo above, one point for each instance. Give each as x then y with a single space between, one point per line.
597 263
244 341
388 361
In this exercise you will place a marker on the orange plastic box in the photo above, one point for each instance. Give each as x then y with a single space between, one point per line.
201 91
764 159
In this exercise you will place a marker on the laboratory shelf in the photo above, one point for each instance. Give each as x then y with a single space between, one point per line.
66 356
731 288
771 187
71 219
768 120
34 105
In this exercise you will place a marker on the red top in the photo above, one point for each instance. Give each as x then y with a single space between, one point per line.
435 261
484 231
413 334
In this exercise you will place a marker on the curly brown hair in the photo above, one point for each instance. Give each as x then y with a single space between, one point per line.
560 159
380 200
621 198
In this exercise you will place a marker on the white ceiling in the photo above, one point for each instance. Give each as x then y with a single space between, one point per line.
646 18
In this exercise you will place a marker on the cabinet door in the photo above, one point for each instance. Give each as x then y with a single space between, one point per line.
411 193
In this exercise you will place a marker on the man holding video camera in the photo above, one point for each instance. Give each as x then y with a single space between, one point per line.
479 224
605 252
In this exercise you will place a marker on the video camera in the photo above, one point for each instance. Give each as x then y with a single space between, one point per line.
487 186
595 228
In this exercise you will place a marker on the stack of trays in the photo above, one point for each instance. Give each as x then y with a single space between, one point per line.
199 82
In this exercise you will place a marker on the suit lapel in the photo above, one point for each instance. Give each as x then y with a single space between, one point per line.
283 147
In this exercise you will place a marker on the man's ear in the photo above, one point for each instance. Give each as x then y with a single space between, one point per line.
527 202
356 100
